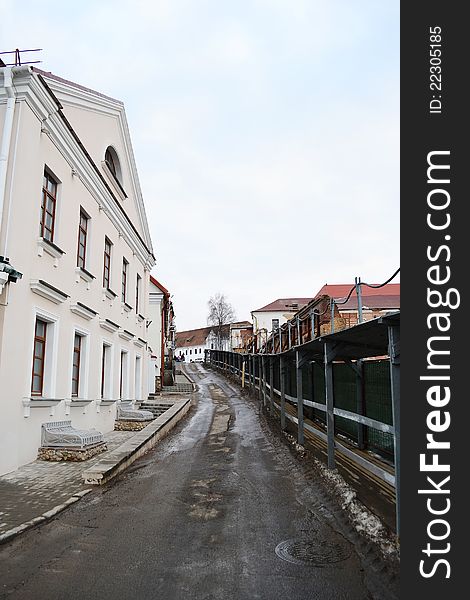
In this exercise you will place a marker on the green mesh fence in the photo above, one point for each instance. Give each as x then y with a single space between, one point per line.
378 401
345 397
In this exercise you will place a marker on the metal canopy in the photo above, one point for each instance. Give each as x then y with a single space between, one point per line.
364 340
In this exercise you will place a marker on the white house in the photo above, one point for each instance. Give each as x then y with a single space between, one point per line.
73 329
190 345
271 316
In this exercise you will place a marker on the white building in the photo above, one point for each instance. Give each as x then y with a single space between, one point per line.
73 330
273 315
190 345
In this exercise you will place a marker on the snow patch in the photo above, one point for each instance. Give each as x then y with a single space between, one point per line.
363 520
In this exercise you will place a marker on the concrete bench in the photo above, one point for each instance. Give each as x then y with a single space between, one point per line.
61 434
125 412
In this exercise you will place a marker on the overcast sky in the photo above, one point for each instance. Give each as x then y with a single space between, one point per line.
266 134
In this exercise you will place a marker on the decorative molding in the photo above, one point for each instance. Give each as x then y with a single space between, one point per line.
76 403
125 335
35 91
34 402
108 294
85 275
126 307
51 249
83 311
139 342
44 289
109 325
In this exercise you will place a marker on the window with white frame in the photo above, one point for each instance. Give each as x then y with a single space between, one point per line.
83 227
124 375
125 270
138 377
106 370
79 377
39 357
44 356
48 207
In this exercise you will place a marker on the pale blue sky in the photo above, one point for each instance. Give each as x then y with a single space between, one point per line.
266 134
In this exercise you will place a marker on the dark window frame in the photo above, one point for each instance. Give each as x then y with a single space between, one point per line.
125 266
107 263
138 283
82 229
46 232
77 351
103 368
42 340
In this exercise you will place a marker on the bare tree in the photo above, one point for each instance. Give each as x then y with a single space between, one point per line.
221 313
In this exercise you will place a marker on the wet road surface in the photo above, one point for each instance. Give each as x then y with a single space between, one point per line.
217 511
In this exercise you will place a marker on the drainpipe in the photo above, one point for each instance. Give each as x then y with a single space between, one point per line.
4 156
162 365
6 136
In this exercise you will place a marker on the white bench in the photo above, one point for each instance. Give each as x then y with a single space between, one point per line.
61 434
125 412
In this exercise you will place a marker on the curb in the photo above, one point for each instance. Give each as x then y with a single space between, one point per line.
11 533
119 459
107 469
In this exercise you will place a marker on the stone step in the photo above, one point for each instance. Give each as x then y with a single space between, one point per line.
156 409
179 387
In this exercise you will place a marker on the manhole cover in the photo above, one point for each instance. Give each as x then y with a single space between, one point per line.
318 553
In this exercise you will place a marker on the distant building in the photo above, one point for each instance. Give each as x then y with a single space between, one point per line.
191 344
241 334
375 301
161 333
271 316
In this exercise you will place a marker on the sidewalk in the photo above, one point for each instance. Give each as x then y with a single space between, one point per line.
39 490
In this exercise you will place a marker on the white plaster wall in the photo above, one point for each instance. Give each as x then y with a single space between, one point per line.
192 353
20 434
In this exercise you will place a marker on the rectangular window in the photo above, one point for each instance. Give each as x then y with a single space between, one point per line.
107 264
138 378
275 324
137 293
123 390
125 265
104 369
48 207
39 358
77 349
82 239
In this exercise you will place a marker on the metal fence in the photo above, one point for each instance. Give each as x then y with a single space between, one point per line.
332 388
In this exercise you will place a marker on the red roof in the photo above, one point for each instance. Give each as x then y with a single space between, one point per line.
285 304
159 285
387 296
196 337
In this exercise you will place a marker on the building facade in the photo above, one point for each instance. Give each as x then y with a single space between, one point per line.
73 329
190 345
270 317
161 333
376 301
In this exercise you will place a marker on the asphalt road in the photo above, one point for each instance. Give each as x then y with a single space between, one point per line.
199 517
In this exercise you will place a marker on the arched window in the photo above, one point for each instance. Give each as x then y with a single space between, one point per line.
112 162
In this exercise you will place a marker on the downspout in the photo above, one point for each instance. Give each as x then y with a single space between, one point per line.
162 366
6 136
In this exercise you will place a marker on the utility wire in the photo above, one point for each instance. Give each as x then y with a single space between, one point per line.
382 284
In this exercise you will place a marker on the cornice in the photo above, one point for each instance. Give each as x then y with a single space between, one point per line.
30 90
